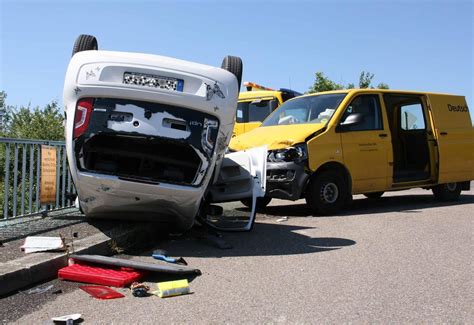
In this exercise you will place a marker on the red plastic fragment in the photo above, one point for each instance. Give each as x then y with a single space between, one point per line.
110 276
101 292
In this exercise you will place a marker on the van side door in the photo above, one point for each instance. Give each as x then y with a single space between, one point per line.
366 143
455 137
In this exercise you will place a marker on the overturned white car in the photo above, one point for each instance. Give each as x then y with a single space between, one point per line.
146 136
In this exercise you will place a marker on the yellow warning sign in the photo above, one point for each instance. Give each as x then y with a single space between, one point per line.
48 175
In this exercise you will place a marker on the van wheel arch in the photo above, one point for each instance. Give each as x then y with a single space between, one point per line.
333 166
334 178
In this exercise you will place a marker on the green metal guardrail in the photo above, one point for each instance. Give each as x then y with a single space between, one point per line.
20 169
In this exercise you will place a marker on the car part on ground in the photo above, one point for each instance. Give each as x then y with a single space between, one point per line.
165 268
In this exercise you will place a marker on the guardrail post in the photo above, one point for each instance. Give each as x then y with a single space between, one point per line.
7 181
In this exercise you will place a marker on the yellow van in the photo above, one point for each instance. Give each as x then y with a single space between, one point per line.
256 103
325 147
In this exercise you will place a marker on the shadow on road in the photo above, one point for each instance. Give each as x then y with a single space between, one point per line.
362 206
264 240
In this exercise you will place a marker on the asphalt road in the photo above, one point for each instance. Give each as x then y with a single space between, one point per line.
403 258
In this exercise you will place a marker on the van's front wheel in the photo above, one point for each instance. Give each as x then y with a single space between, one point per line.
447 192
327 193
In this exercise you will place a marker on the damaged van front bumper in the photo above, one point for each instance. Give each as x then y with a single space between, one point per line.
286 180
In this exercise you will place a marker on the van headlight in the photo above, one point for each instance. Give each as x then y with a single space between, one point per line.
296 153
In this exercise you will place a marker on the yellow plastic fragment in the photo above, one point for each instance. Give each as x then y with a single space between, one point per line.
172 288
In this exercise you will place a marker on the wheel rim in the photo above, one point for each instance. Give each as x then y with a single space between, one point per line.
451 186
329 193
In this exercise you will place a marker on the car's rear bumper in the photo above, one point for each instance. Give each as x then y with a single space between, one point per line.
104 196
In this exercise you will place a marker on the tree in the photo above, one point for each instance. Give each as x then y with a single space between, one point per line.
27 123
3 95
365 79
323 83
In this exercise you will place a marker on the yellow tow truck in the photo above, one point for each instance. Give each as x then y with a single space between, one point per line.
256 104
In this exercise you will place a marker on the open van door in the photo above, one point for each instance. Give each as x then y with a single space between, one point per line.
242 176
453 132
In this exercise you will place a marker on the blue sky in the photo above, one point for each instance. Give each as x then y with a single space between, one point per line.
413 45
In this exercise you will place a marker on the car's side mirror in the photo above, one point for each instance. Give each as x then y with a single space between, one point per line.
351 120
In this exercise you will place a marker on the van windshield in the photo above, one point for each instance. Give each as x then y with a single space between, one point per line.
311 109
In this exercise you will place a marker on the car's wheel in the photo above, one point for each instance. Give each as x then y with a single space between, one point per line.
233 64
374 195
262 202
447 192
85 43
327 193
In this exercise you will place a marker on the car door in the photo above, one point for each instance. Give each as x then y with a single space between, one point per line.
242 175
366 145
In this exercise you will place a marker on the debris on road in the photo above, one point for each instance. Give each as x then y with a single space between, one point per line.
162 255
101 292
39 290
42 244
112 276
282 219
155 267
139 289
172 288
69 319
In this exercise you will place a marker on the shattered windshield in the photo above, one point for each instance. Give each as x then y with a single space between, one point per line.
311 109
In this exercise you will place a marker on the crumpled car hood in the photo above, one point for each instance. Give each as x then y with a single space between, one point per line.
275 137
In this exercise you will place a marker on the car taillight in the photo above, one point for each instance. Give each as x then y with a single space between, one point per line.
83 114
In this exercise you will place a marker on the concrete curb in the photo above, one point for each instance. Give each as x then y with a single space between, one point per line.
36 267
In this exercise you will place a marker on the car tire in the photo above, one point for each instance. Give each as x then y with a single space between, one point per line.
85 43
233 64
447 192
374 195
327 193
262 202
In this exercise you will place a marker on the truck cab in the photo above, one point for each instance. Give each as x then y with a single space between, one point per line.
255 104
328 146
